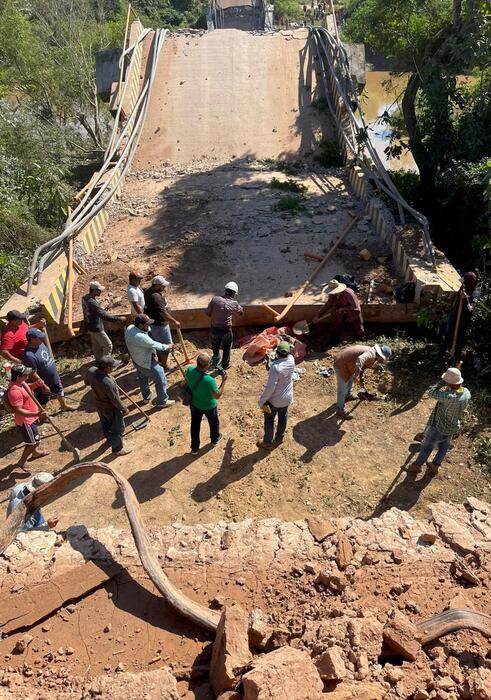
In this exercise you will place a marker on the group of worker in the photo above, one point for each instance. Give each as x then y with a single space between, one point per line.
35 379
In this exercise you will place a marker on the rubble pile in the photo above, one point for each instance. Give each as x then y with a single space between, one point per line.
310 609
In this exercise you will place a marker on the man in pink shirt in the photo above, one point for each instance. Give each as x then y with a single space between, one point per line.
344 307
350 365
14 340
26 412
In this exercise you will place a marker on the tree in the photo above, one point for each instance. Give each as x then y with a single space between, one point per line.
433 41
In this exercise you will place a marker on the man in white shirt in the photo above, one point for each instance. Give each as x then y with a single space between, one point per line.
277 395
135 294
142 350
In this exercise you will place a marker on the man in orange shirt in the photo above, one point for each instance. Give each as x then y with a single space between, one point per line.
14 340
26 412
350 365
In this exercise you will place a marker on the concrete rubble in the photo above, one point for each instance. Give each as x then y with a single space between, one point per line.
308 608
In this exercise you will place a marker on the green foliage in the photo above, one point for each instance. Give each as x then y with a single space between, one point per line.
290 9
289 203
482 452
329 155
289 167
289 185
172 13
320 104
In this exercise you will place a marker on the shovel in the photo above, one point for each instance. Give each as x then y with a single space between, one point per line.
138 425
65 442
303 327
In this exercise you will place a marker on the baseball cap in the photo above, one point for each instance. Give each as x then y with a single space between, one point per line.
35 333
96 285
232 286
135 275
141 319
160 280
108 361
15 315
19 370
383 351
283 346
38 480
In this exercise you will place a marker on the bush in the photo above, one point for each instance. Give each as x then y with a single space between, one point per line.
329 155
482 452
289 203
289 185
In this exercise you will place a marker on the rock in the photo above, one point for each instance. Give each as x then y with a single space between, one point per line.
69 651
428 537
402 636
259 631
120 667
358 691
320 528
364 254
344 553
331 665
230 649
281 674
453 533
479 681
151 685
22 644
107 628
459 602
421 695
476 504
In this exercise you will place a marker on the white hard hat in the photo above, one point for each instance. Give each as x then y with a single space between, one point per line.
232 286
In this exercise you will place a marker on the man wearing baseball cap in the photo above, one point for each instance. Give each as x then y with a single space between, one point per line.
221 310
14 339
94 317
350 365
19 492
26 412
157 307
277 395
452 399
344 307
38 357
135 295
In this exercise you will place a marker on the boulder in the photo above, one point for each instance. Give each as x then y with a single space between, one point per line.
152 685
230 649
331 665
402 636
358 691
320 528
284 673
479 681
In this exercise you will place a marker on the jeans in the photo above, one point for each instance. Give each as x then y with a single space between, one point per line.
269 423
433 438
113 427
157 374
344 389
213 421
221 338
101 344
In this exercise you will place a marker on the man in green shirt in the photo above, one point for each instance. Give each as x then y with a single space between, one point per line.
205 393
452 399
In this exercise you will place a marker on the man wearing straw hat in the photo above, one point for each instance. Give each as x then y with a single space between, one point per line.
19 492
445 421
344 307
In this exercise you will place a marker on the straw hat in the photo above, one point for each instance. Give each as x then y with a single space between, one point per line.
333 287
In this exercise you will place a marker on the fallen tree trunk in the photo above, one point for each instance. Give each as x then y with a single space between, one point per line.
45 494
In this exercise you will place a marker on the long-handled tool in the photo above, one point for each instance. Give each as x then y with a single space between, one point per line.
188 359
141 424
178 364
65 441
302 327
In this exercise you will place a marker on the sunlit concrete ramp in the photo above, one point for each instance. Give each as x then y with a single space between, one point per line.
230 93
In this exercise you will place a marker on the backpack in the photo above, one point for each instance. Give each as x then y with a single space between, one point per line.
405 293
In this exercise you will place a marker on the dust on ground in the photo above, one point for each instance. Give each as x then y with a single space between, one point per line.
324 466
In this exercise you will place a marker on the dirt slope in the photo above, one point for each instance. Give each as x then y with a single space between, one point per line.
230 93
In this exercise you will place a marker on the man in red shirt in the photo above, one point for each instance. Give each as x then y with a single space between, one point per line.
345 308
14 340
26 412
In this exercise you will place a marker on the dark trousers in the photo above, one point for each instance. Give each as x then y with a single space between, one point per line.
282 414
213 421
221 338
112 424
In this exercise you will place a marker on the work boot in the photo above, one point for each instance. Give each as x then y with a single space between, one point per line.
214 361
414 468
344 415
434 468
279 440
121 453
168 403
217 440
265 445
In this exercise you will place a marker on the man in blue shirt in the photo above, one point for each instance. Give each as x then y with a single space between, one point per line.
38 357
19 492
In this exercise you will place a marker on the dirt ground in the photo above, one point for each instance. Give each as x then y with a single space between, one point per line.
324 466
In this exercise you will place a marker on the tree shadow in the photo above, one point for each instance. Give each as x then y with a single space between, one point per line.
403 495
408 386
318 431
228 473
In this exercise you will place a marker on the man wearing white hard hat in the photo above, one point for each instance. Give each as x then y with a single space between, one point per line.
344 307
452 399
19 492
221 310
157 307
